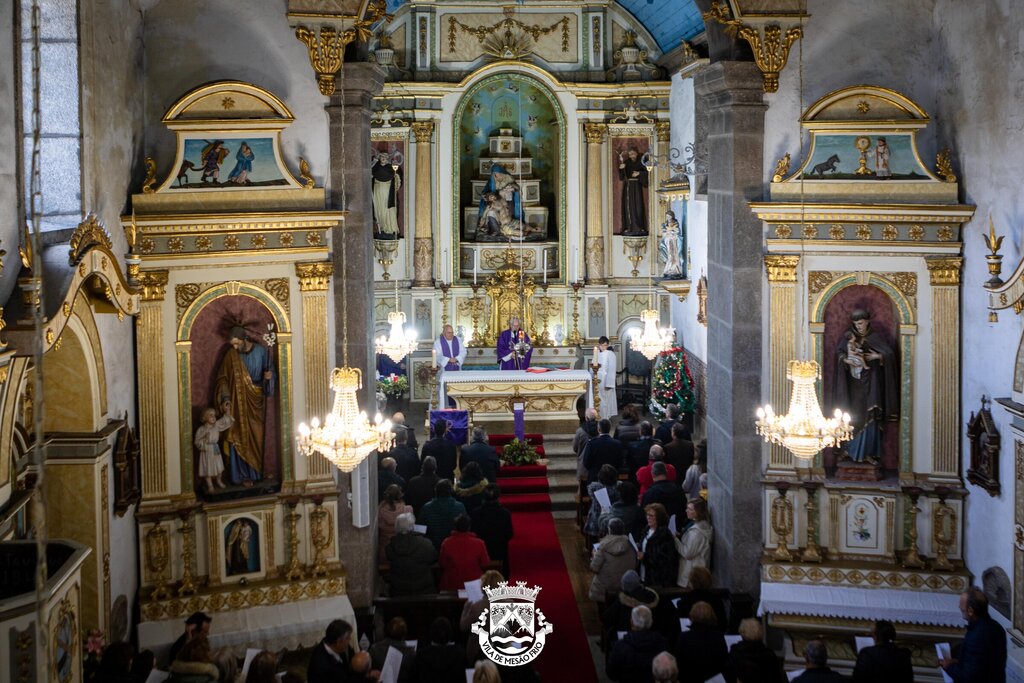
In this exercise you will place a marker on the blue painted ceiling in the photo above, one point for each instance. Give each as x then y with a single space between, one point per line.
669 21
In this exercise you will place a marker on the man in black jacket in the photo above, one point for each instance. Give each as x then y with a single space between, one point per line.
420 489
330 659
631 657
817 671
667 493
679 451
602 450
664 432
493 524
442 450
640 450
408 463
483 454
387 474
883 662
982 656
398 423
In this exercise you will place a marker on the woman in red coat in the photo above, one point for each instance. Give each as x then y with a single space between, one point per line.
463 556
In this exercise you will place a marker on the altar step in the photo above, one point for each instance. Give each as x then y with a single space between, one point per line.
562 481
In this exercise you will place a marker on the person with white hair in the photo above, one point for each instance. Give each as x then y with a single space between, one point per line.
584 433
664 668
411 556
514 349
632 656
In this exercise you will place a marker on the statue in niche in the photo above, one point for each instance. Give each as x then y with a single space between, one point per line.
242 550
207 442
634 177
387 181
670 248
866 385
501 210
244 381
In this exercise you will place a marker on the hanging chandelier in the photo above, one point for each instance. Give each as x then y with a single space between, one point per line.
652 340
400 342
803 430
346 437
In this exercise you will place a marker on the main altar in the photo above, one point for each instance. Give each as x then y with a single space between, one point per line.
491 395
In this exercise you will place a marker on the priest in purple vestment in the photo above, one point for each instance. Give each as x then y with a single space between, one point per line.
514 348
449 351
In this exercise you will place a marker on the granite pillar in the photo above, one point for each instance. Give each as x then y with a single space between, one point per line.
732 94
349 113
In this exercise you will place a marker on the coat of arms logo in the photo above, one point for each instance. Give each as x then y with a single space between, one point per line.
512 630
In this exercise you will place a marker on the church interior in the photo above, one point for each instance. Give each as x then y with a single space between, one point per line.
716 305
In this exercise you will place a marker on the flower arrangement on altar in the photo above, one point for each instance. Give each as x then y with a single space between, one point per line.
518 452
393 385
521 347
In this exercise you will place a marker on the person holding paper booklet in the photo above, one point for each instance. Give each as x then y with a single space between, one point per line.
411 556
632 655
701 648
982 656
603 492
472 610
440 660
883 662
694 546
657 555
463 556
613 557
396 632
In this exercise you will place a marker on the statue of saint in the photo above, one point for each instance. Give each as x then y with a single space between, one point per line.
244 380
633 175
670 247
386 184
866 384
501 211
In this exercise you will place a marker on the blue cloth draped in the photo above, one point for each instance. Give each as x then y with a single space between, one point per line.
243 162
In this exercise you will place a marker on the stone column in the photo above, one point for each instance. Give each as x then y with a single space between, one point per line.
423 245
733 95
944 273
349 113
314 279
782 343
596 134
149 327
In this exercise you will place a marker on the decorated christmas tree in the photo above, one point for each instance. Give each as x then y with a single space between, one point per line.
672 383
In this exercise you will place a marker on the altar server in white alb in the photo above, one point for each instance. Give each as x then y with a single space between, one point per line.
449 354
605 357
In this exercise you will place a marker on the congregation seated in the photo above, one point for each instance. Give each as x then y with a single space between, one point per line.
645 475
482 453
607 479
628 429
626 509
752 656
411 556
387 475
883 661
694 545
584 433
442 450
602 450
664 431
469 489
658 557
492 523
471 612
420 489
406 459
194 663
463 556
440 660
632 656
665 492
679 451
391 506
398 423
396 632
817 669
638 452
613 557
702 649
664 668
439 514
701 591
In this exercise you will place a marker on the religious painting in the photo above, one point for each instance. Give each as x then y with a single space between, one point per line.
216 162
241 546
861 524
630 186
510 141
861 372
388 183
864 157
235 399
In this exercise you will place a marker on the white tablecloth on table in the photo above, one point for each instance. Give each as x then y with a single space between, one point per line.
903 606
521 376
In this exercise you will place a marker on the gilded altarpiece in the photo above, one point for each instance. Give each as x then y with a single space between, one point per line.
863 274
232 519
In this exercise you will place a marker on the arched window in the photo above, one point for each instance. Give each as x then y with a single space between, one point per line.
60 111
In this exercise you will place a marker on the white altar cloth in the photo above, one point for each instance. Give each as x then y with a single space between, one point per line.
900 606
495 382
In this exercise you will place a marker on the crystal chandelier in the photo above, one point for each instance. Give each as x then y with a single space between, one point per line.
803 430
400 342
652 340
346 437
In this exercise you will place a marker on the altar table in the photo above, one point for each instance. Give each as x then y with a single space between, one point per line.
489 394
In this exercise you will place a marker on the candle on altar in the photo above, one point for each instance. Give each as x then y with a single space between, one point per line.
474 270
545 273
433 358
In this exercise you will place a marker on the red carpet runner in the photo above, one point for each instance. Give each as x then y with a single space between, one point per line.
535 556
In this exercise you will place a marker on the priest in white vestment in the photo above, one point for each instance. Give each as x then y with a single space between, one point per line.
449 355
605 357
